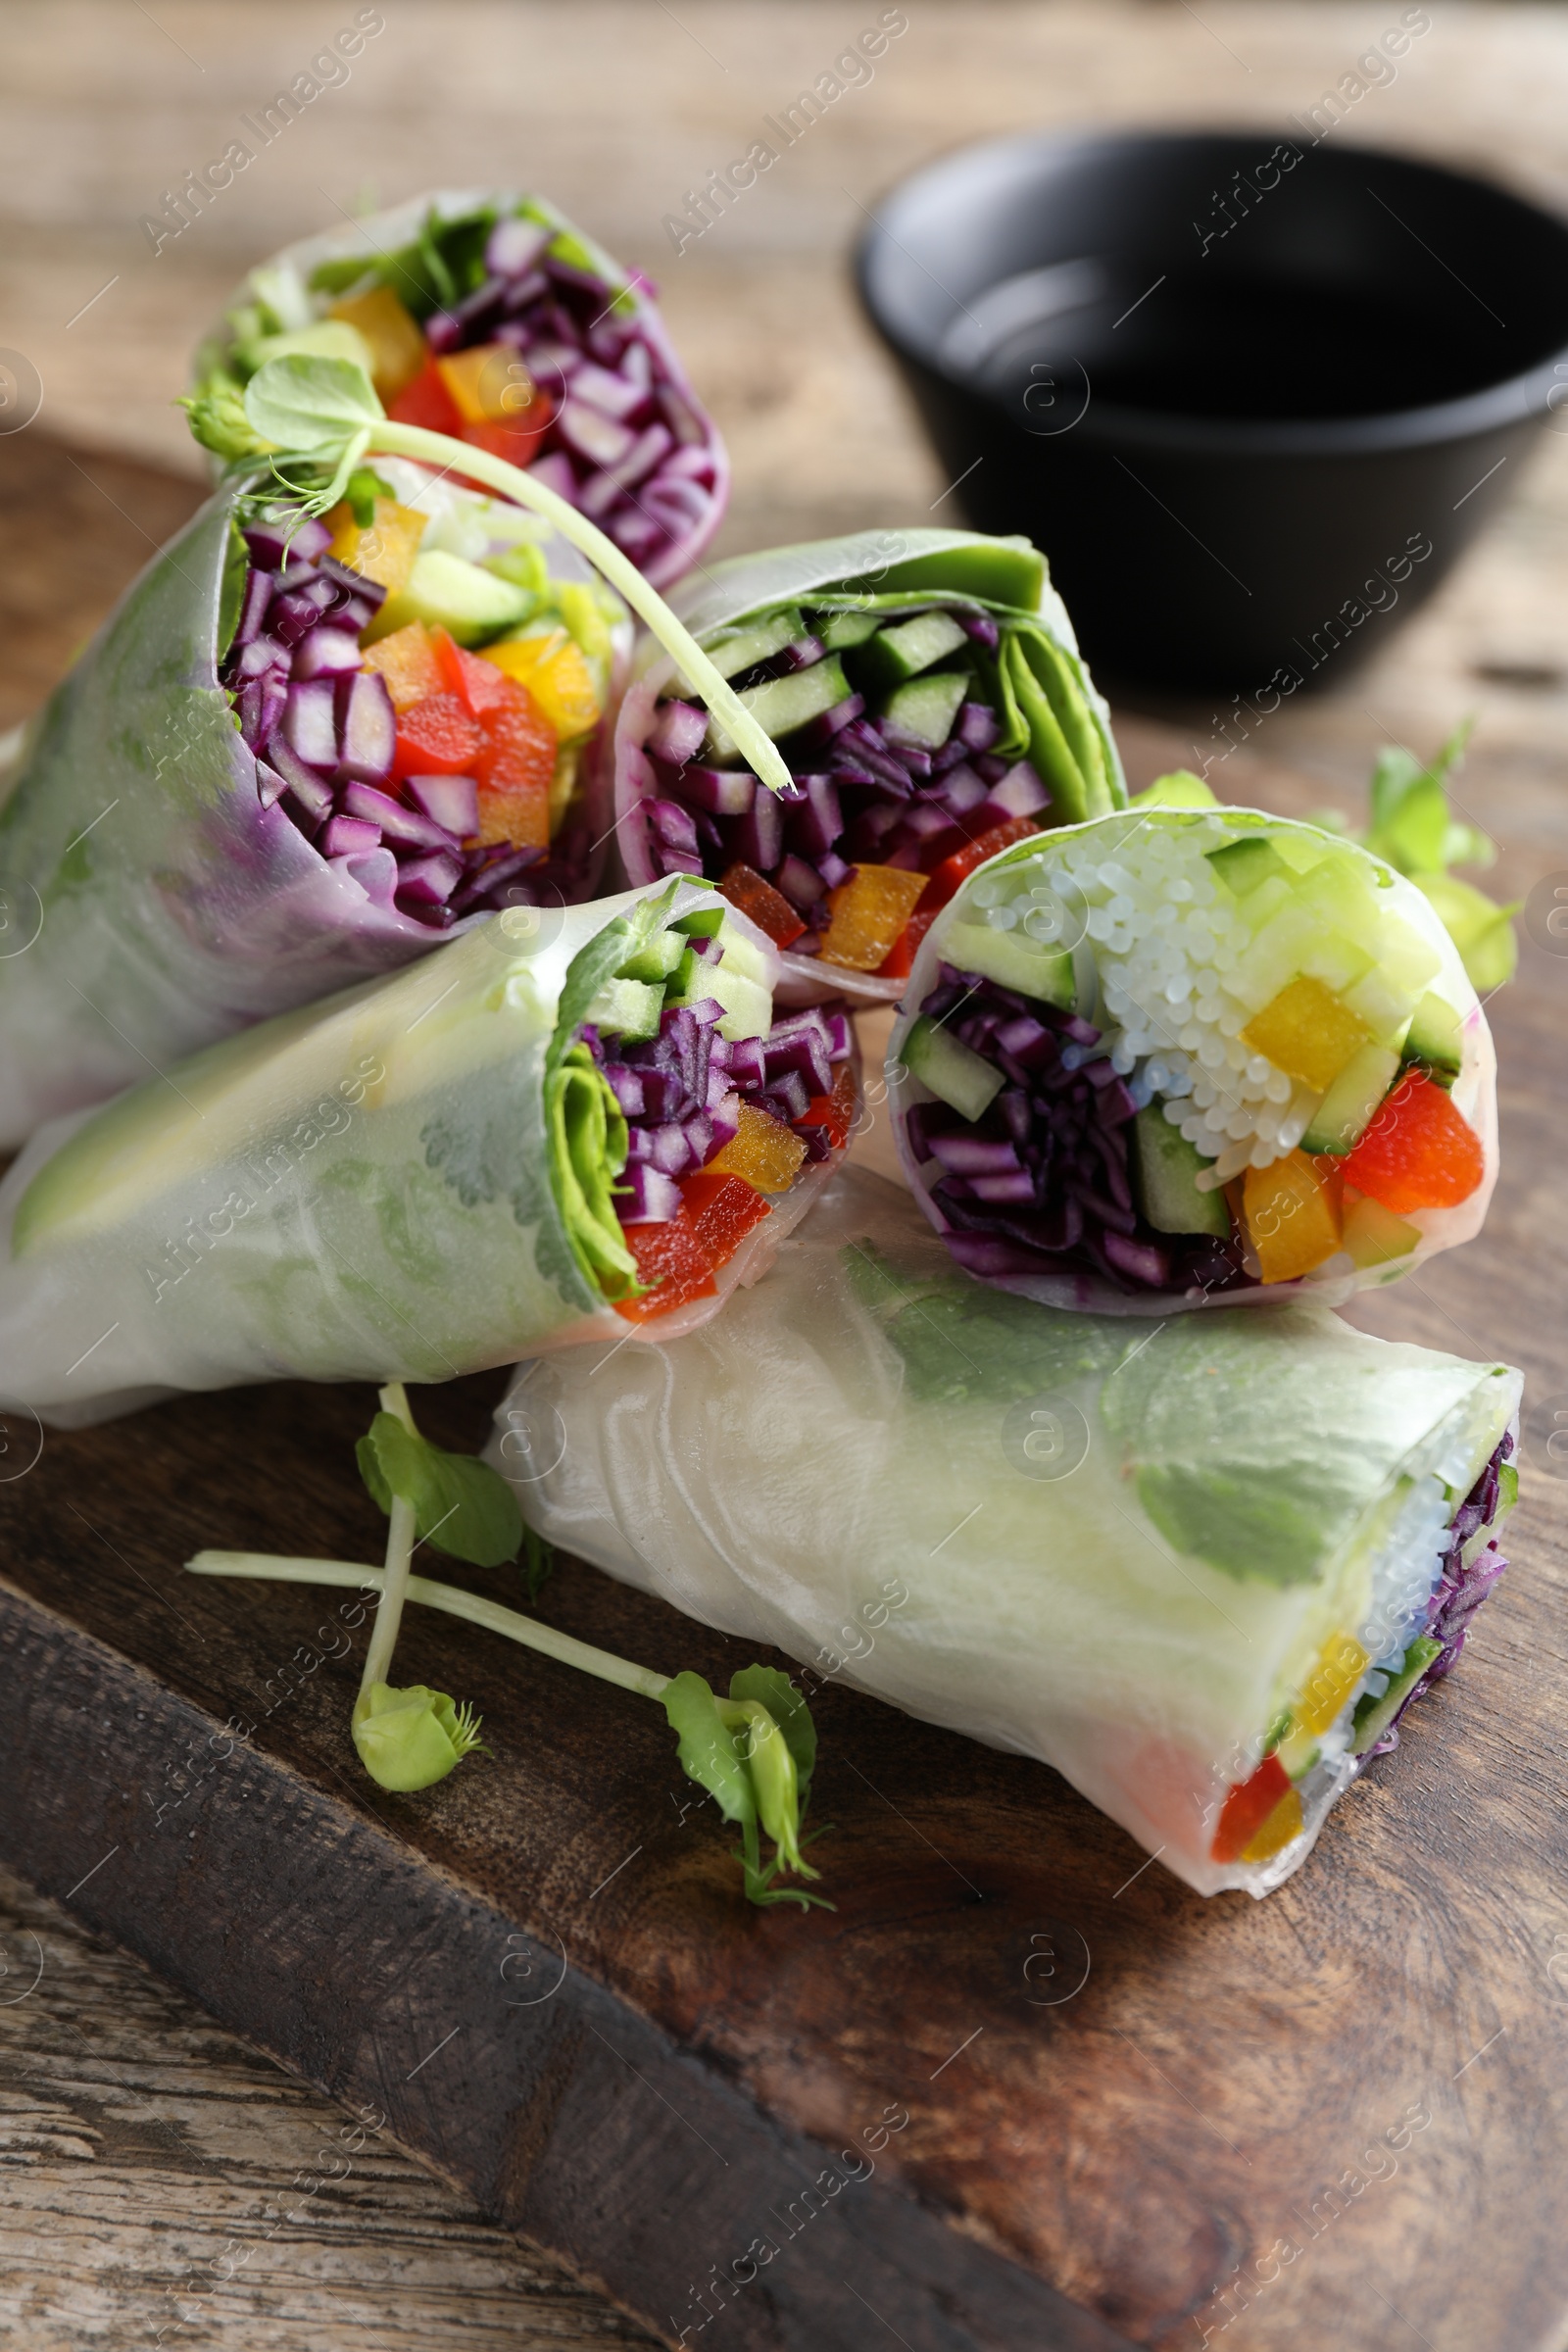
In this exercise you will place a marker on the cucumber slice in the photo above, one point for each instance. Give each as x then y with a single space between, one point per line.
656 960
747 1007
1434 1038
1012 959
1004 571
1347 1110
780 705
923 711
1243 865
732 655
1165 1172
444 591
902 652
835 630
1373 1716
628 1008
704 922
951 1072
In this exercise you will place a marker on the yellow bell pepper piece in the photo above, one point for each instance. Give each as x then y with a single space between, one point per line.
1281 1825
762 1150
1340 1666
867 914
1291 1214
556 674
489 384
385 548
1308 1032
397 346
406 659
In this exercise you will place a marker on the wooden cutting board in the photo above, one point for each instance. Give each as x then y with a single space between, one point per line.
1019 2090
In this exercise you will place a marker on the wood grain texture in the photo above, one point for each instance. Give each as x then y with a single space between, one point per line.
1223 2065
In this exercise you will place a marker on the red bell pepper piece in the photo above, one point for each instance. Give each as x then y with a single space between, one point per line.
955 871
834 1113
768 908
722 1209
898 962
478 684
1246 1809
1418 1152
437 737
672 1262
428 402
517 441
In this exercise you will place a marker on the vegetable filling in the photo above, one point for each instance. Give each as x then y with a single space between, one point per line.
921 739
680 1110
510 332
1361 1684
441 781
1238 1077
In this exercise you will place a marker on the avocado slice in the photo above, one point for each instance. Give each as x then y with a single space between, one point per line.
1165 1172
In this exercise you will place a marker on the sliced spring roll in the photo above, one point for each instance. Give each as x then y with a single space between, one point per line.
298 752
1200 1572
1180 1058
487 316
553 1129
927 690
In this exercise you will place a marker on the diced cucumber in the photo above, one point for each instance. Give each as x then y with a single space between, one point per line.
1165 1172
1405 958
747 1007
444 591
656 960
923 711
1005 571
742 956
628 1008
704 922
955 1076
1243 865
903 650
1301 852
1347 1110
1373 1716
780 705
1434 1038
1012 959
1385 1008
1339 962
732 655
837 630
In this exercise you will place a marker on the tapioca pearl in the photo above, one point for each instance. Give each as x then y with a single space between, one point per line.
1212 1053
1277 1086
1258 1069
1231 1021
988 893
1124 1058
1002 918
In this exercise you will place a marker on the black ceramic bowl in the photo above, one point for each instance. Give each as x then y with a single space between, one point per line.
1252 396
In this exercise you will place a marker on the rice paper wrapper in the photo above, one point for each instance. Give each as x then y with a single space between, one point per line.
1055 1533
722 595
152 903
359 1191
1473 1091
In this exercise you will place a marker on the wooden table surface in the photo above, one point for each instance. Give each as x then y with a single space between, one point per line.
140 2138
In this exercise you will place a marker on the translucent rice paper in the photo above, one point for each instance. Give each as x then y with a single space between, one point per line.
1117 1549
360 1191
150 903
1474 1091
747 587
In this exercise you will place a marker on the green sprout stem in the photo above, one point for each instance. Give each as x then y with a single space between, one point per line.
724 704
449 1597
395 1577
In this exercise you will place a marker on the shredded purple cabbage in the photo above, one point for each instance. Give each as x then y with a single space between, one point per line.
1459 1591
1041 1183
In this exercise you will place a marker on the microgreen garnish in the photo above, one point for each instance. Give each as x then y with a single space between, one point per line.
754 1752
327 411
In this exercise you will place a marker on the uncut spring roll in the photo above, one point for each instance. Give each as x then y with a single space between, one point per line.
1180 1058
927 690
561 1127
298 752
1201 1572
488 315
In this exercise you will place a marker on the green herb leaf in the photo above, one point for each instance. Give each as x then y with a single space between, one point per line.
362 490
754 1753
413 1738
310 406
708 1750
460 1505
788 1710
219 422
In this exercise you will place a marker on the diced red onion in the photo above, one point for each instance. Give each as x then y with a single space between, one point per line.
288 538
514 247
799 883
677 732
367 726
348 837
646 1195
451 801
408 828
376 872
1020 792
310 724
326 652
719 791
972 1155
428 881
555 470
593 436
256 597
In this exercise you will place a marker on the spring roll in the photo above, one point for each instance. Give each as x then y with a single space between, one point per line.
298 752
1185 1058
1200 1572
564 1126
488 315
927 690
